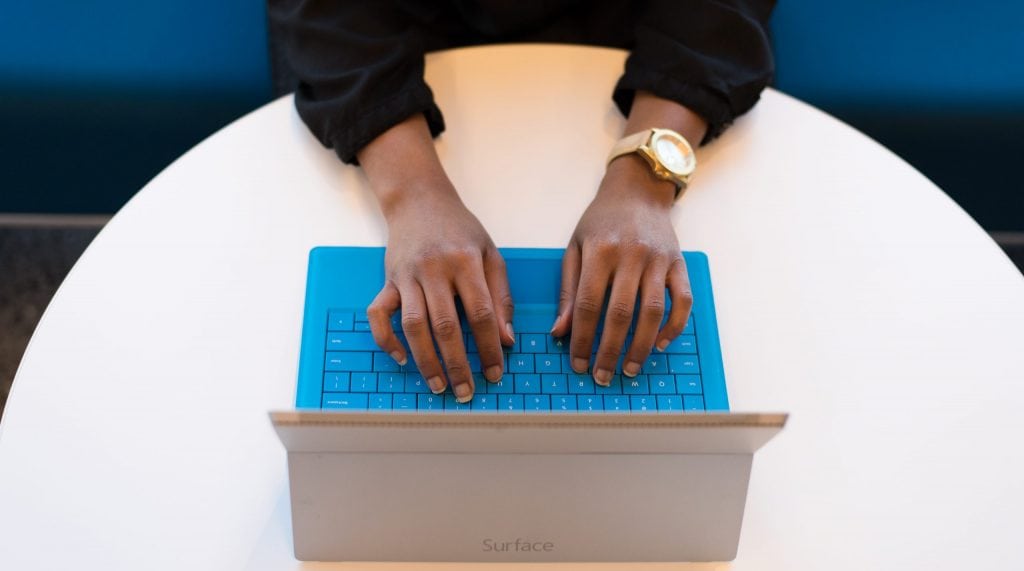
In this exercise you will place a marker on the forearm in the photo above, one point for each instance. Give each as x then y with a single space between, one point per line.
650 111
402 166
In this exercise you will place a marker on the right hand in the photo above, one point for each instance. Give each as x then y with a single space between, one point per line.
438 250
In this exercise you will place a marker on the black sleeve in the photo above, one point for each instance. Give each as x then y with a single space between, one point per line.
359 66
713 56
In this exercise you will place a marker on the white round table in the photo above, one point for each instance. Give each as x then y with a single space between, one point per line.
851 292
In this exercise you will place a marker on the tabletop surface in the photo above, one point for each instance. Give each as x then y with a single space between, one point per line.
851 293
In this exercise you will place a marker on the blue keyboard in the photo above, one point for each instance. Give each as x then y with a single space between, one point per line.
341 368
538 378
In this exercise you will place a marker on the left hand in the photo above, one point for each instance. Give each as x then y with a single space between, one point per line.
624 240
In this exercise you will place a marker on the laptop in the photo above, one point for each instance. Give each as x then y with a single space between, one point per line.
544 466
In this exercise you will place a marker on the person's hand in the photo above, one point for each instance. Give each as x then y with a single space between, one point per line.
438 250
624 240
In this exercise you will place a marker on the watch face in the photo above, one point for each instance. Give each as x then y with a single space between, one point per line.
674 153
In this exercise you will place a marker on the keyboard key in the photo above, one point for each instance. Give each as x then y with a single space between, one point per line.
410 365
693 402
563 403
567 362
360 326
558 344
390 382
581 384
380 402
364 382
351 341
683 344
527 383
345 401
382 362
548 363
502 386
337 361
643 403
655 364
616 403
361 316
554 384
670 403
636 386
521 363
429 402
338 320
510 403
335 382
689 384
683 364
533 343
484 403
590 403
662 384
689 329
415 383
452 405
537 403
614 387
404 401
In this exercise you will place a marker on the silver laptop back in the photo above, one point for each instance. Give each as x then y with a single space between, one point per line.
429 487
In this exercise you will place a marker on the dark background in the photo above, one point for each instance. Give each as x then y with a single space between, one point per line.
97 97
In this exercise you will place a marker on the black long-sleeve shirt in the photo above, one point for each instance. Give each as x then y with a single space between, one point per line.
360 63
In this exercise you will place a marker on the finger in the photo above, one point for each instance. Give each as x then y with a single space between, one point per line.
679 293
570 281
651 311
379 312
587 304
482 319
617 319
416 325
444 323
501 296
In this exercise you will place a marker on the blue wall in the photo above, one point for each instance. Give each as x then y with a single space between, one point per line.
884 52
97 96
218 45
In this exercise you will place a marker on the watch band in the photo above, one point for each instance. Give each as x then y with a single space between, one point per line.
641 143
629 144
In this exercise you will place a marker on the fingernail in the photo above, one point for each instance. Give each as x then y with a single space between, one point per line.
558 319
579 365
463 393
436 385
493 373
399 358
631 369
511 333
603 377
662 344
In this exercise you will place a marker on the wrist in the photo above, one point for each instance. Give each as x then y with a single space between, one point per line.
630 178
414 194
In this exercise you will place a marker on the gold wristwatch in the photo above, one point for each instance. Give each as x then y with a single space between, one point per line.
670 155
